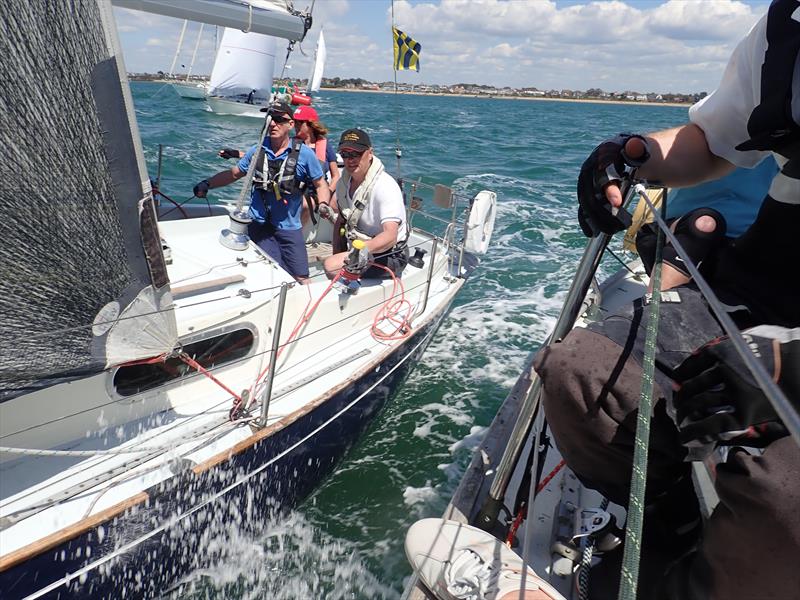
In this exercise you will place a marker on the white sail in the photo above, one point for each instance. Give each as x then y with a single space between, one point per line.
245 62
315 77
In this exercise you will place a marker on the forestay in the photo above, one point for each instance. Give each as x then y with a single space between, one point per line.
84 283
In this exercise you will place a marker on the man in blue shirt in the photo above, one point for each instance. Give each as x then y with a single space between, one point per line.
276 197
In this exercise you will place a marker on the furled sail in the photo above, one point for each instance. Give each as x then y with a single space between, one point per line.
84 284
245 62
320 54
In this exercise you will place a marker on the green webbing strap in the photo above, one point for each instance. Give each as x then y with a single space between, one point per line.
635 520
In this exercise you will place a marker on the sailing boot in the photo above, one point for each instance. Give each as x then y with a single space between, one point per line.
672 526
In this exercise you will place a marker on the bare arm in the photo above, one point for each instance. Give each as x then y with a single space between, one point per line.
335 176
386 239
679 157
323 193
224 178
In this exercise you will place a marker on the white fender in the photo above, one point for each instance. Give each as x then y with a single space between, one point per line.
480 222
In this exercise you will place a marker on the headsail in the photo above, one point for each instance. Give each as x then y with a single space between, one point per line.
84 282
245 62
320 54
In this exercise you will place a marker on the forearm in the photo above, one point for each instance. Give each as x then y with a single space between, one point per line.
382 242
680 157
323 193
224 178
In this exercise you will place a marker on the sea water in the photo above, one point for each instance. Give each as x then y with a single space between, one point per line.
346 540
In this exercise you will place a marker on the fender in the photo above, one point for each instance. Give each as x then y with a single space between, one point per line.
480 222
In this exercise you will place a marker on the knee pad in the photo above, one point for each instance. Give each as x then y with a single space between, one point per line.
698 244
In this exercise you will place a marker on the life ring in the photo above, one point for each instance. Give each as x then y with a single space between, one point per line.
480 222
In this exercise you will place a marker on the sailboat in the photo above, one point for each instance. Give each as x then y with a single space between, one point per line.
186 88
241 80
163 381
317 66
518 488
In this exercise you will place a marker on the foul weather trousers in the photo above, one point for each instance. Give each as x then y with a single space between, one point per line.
750 546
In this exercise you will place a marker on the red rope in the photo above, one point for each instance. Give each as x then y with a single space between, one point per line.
200 368
512 531
391 311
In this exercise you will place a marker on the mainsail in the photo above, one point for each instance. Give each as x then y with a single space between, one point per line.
245 62
84 284
320 54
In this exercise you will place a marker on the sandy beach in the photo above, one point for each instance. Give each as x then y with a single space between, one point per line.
491 97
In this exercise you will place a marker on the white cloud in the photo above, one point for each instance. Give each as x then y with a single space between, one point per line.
674 45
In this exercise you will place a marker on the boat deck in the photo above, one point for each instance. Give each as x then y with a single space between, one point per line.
147 438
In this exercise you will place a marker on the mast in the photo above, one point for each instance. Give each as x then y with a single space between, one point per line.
178 49
398 152
194 53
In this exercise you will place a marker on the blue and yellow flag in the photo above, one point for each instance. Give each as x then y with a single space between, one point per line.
406 52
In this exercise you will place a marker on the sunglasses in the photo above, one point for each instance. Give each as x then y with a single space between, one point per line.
346 155
280 119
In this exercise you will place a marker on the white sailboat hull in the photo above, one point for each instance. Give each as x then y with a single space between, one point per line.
226 106
175 441
191 91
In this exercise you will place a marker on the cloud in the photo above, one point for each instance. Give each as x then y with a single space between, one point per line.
669 45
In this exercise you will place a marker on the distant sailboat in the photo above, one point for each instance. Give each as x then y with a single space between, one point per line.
241 80
186 88
315 77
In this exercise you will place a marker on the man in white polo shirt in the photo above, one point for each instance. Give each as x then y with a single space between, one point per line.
371 208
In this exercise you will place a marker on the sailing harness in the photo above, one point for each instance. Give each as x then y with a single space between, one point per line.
359 200
279 176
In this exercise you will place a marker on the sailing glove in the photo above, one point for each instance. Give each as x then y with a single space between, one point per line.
718 400
229 153
201 189
608 163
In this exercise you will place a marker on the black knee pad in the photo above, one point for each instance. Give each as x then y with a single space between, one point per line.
698 244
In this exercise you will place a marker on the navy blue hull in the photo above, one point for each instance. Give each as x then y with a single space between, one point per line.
155 543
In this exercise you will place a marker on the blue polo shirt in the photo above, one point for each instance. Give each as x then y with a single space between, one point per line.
283 213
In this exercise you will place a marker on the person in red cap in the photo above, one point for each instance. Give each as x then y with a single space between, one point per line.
313 132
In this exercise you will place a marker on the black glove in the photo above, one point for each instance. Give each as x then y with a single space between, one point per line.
201 189
229 153
606 164
718 400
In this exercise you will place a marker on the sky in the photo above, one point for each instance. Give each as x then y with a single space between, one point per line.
633 45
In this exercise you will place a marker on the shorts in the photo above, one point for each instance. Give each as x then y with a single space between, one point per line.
287 247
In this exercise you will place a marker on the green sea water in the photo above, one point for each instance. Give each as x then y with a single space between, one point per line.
346 541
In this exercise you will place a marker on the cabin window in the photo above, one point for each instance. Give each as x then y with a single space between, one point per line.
211 352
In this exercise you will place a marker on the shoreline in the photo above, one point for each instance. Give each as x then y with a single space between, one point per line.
535 98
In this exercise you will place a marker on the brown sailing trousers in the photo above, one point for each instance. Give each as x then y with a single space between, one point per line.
750 546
